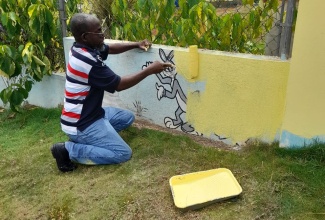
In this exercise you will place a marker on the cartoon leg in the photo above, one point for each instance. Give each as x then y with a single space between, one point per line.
187 128
169 123
174 123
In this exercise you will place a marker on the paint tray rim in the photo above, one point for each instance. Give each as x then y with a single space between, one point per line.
189 190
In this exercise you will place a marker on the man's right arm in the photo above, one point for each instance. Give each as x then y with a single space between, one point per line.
133 79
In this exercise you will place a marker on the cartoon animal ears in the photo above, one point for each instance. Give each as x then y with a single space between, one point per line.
169 58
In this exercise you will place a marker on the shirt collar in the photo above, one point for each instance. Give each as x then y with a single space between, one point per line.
89 49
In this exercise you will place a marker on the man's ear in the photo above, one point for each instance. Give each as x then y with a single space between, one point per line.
83 37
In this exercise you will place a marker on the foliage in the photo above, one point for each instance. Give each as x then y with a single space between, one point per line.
194 22
29 31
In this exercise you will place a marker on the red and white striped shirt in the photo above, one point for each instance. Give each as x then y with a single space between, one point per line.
87 78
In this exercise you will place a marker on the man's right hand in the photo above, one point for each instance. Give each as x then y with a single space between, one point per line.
157 67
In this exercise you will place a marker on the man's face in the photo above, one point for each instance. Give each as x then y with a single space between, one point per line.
94 37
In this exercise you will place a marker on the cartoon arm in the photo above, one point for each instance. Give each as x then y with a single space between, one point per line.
164 79
176 89
161 92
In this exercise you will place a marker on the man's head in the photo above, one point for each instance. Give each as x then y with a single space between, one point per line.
87 30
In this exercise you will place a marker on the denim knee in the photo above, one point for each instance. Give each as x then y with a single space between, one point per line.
125 156
131 117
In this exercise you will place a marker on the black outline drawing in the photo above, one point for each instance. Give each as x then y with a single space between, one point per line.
168 77
139 108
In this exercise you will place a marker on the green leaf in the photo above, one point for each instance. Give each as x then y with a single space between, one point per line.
24 92
15 108
20 48
248 2
50 27
6 50
12 69
38 61
31 10
5 95
11 29
18 70
252 17
169 10
26 54
3 4
22 3
2 96
237 19
47 34
185 9
121 4
16 97
4 19
269 23
178 31
13 16
46 70
7 66
192 3
35 25
273 5
28 85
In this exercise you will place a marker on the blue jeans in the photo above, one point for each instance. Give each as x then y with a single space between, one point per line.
100 143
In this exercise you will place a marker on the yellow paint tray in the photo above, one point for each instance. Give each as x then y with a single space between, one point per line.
196 190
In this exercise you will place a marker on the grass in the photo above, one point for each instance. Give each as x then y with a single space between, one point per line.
277 183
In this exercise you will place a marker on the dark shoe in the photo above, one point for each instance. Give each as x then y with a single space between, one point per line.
61 156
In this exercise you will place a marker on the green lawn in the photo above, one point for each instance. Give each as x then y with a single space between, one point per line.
277 183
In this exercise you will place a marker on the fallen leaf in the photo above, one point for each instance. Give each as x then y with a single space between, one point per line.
11 116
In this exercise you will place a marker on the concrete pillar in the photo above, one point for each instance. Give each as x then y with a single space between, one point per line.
304 118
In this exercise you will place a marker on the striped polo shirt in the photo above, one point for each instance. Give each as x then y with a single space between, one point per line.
87 77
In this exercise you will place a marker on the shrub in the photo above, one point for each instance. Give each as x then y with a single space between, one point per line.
29 37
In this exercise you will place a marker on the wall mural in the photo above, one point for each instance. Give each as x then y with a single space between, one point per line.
169 87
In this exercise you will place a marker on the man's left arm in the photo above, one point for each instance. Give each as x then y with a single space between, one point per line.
116 48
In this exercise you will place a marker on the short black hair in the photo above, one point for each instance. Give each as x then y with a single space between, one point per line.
79 24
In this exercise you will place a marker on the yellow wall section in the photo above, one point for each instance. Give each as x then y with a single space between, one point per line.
243 97
306 89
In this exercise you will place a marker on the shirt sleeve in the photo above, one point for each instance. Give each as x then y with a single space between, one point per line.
102 77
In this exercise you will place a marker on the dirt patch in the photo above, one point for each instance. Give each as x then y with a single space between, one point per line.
141 123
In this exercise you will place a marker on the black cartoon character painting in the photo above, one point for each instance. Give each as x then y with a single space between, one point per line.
170 88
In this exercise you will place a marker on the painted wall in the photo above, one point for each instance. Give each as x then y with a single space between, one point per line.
243 98
224 96
304 119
